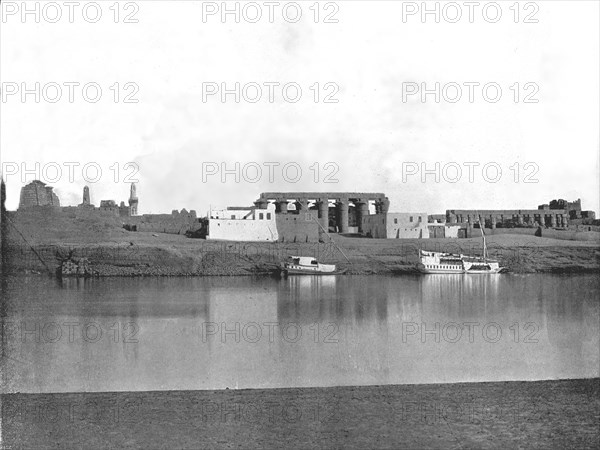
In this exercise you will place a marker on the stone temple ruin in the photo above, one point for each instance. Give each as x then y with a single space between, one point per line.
337 211
556 214
121 210
37 193
305 216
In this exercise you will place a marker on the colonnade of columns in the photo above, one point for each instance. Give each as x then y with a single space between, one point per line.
544 218
342 206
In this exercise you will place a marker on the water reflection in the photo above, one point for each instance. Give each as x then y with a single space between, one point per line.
212 333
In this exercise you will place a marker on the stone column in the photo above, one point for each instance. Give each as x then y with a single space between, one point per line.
362 210
342 216
493 222
520 219
385 205
553 220
261 203
323 205
301 205
281 206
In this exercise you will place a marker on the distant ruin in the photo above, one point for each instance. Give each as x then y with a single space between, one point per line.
556 214
133 200
308 216
37 193
86 198
178 222
121 210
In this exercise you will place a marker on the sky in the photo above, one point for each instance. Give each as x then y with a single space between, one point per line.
367 130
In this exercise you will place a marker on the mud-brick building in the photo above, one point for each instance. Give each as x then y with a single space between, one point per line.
37 193
396 226
111 206
121 210
178 222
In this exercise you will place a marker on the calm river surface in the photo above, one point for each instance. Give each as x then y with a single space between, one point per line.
212 333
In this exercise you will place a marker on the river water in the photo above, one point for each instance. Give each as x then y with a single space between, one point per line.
140 334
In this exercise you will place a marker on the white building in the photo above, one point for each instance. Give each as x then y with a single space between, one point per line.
396 226
243 224
443 230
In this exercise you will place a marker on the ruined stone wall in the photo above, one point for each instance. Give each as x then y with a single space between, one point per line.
510 217
164 223
443 231
301 227
375 226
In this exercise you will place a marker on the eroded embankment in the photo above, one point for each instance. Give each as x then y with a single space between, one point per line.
179 256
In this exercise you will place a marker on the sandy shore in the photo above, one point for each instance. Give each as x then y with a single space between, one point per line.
542 414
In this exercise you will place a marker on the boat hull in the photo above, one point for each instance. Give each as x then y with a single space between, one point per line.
441 271
462 271
303 265
483 272
310 272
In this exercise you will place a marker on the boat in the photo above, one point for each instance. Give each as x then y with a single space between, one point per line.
440 262
307 265
481 264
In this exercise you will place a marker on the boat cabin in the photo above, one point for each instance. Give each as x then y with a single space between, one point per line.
303 260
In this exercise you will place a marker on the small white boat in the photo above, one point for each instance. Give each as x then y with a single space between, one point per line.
438 262
307 265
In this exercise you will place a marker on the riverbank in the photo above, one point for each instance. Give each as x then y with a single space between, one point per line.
112 251
540 414
145 254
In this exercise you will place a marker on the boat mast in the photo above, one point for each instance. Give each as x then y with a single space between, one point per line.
484 246
331 239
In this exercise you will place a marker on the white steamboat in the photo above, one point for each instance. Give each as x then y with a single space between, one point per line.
439 262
